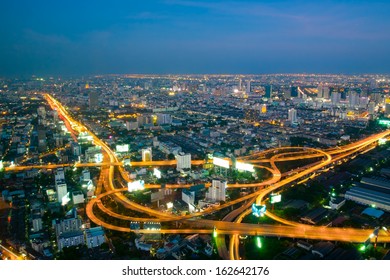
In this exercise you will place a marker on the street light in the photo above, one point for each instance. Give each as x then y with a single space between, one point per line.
258 242
215 233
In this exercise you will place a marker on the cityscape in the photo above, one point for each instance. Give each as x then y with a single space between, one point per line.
195 167
195 130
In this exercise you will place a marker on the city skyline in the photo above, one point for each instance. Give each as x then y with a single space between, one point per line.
172 36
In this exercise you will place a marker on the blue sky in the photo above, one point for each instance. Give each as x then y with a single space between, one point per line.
188 36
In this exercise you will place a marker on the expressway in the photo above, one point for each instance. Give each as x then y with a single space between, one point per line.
197 225
9 254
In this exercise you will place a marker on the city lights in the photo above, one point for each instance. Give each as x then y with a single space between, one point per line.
135 185
241 166
221 162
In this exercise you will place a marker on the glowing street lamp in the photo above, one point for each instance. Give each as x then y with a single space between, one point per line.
258 242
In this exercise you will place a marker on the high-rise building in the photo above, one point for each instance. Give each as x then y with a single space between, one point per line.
353 99
147 154
323 91
387 109
61 187
292 115
248 86
239 84
183 161
268 91
294 91
371 108
217 191
263 109
336 97
41 112
93 99
42 143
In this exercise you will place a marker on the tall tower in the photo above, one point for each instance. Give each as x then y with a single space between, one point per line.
292 115
294 91
93 99
268 91
248 86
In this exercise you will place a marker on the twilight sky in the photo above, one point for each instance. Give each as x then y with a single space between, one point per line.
50 37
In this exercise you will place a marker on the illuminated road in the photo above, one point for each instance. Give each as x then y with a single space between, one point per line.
288 229
9 254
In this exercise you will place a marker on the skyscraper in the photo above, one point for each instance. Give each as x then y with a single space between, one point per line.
353 99
294 91
248 87
292 115
93 99
336 97
268 91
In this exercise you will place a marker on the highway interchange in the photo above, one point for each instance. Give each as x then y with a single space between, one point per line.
113 183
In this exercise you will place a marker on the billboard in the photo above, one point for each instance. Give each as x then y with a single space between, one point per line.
221 162
156 196
258 210
382 141
122 148
275 198
157 173
135 185
384 122
169 205
244 166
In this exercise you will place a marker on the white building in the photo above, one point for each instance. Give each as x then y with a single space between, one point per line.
217 191
292 115
183 161
78 197
61 189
